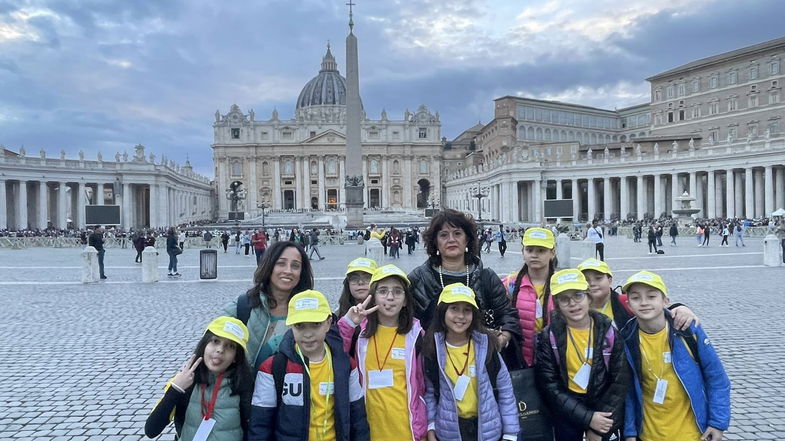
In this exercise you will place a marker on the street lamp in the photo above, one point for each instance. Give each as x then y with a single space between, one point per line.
479 193
433 201
264 204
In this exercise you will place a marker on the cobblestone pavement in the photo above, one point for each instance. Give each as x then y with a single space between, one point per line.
88 361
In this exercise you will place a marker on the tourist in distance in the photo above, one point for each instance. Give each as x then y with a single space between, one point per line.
738 232
583 344
382 334
259 241
680 388
173 251
356 284
469 393
501 238
218 375
96 240
452 247
699 234
673 232
283 271
725 233
311 364
225 241
651 237
529 287
595 233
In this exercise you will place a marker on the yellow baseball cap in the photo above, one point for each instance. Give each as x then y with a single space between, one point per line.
457 292
308 306
647 278
386 271
568 279
363 264
230 328
538 237
595 265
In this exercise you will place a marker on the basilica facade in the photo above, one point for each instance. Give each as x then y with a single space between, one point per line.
300 163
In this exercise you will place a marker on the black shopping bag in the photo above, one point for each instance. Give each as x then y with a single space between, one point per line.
533 414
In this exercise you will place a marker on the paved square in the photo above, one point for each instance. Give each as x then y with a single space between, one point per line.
89 361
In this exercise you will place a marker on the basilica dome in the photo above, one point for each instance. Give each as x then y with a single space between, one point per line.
326 89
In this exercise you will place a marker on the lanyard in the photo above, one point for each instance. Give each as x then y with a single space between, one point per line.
575 346
465 363
646 358
380 364
329 357
208 408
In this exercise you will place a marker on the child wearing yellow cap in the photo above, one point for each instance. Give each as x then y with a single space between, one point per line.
310 389
468 389
356 283
528 287
581 365
680 388
211 393
382 334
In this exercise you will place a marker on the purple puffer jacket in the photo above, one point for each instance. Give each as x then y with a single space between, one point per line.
495 419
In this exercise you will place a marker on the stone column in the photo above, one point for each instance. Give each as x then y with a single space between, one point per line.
576 200
779 182
730 194
253 186
153 204
675 191
558 189
711 200
505 206
385 198
322 192
749 193
3 209
298 183
81 202
277 184
43 205
62 207
21 206
624 197
99 194
658 209
223 185
514 200
607 199
307 182
592 203
694 192
640 196
127 214
699 195
738 180
760 194
341 188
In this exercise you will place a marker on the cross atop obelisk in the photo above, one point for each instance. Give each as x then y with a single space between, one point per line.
353 181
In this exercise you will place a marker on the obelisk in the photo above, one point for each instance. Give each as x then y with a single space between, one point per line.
353 182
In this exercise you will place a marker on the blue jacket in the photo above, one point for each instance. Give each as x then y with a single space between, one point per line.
703 377
287 418
495 419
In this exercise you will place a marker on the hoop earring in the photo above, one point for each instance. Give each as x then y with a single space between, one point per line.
467 250
437 252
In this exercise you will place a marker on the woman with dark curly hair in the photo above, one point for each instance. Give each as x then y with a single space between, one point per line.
453 257
283 272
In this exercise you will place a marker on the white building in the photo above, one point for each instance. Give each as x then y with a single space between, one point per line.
40 192
300 163
716 133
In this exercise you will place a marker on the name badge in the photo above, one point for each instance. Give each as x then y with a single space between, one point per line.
205 427
659 392
472 371
399 353
581 377
666 357
461 384
538 310
380 379
326 388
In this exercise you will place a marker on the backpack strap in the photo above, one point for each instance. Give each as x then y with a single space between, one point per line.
493 366
243 309
279 371
432 374
554 347
690 339
607 346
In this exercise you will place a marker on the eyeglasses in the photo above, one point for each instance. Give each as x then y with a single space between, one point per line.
575 298
359 280
397 293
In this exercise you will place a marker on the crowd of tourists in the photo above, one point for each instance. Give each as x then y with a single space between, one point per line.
448 351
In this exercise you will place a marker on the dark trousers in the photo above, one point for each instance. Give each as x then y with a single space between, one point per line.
226 245
101 263
138 256
724 240
502 247
259 254
247 247
653 243
468 428
706 240
600 249
783 250
172 263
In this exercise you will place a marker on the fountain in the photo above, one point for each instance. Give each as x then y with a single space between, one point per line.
686 209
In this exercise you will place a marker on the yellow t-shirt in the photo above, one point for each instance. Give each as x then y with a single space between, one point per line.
673 420
454 366
580 337
607 310
377 234
322 426
387 408
540 312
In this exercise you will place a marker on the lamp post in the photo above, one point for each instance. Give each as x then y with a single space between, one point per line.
264 204
433 202
479 193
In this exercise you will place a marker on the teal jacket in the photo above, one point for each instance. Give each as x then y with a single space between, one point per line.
258 325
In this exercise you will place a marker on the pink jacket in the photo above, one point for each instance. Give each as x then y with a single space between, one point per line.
415 385
526 305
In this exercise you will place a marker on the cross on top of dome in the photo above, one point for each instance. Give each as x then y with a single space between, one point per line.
328 61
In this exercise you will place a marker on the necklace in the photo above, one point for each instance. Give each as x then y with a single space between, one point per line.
441 277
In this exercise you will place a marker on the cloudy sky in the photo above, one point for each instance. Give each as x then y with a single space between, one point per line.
104 75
